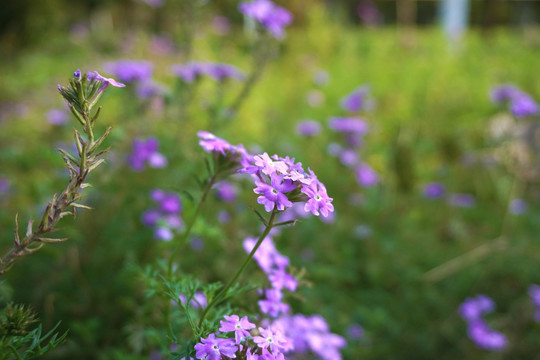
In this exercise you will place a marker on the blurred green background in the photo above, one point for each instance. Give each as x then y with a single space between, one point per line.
392 261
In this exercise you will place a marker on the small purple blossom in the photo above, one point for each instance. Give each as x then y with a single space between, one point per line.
211 143
226 191
524 105
353 125
474 308
534 293
434 190
272 17
192 71
356 100
163 233
518 206
213 348
355 332
198 301
273 195
308 128
485 337
272 304
272 339
95 76
4 185
503 93
366 176
319 201
57 117
146 151
130 70
239 326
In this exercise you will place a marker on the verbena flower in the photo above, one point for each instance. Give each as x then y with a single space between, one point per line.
95 76
356 100
272 304
4 185
310 334
272 17
146 152
130 70
57 117
366 176
534 293
226 191
485 337
433 190
165 218
213 348
521 103
239 326
272 339
474 308
503 93
308 128
273 195
353 125
518 206
199 300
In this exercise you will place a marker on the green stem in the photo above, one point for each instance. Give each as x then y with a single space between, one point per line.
223 292
182 241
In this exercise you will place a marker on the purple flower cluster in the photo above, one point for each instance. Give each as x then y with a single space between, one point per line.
130 70
281 181
269 344
434 190
192 71
274 265
166 217
311 334
534 293
146 151
521 104
272 17
308 128
357 100
472 311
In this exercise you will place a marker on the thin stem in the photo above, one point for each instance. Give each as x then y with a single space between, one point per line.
182 241
223 292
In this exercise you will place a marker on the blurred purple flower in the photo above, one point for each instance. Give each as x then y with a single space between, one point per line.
224 217
146 151
356 100
163 233
473 309
149 88
161 45
130 70
524 105
353 125
308 128
518 206
213 348
4 185
334 149
348 157
461 200
272 304
355 332
485 337
57 117
191 71
221 72
269 15
366 176
434 190
226 191
503 93
197 244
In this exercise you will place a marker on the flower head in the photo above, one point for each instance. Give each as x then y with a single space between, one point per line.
146 152
239 326
213 348
272 17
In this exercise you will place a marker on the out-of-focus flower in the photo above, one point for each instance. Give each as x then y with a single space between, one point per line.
521 103
434 190
357 100
146 151
348 125
4 185
130 70
213 348
57 117
474 308
366 176
239 326
308 128
485 337
518 206
315 98
355 332
272 17
226 191
192 71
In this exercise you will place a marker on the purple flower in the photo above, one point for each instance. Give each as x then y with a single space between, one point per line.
366 176
211 143
473 309
348 125
524 105
348 157
187 72
356 100
485 337
534 292
273 195
170 203
239 326
151 217
57 117
269 15
4 185
146 151
224 217
148 88
213 348
281 279
95 76
503 93
199 300
518 206
163 233
355 331
434 190
273 305
131 70
319 201
272 339
308 128
267 256
226 191
221 72
461 200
